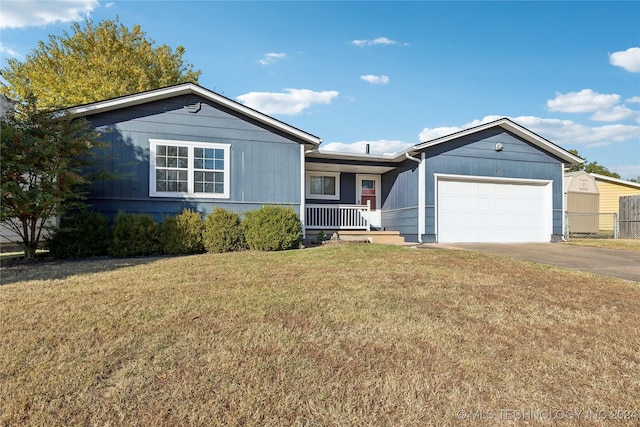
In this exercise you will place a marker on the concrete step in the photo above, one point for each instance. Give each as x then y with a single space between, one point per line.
383 237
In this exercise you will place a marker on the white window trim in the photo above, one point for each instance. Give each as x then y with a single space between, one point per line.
336 175
153 143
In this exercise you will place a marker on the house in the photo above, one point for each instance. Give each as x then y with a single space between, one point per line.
611 189
582 203
187 147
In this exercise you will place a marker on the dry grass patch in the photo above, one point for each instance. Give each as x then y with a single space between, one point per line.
622 244
348 335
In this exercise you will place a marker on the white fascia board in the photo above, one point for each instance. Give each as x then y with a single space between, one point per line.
184 89
514 128
614 180
349 156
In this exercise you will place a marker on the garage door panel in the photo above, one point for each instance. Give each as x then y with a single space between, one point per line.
470 211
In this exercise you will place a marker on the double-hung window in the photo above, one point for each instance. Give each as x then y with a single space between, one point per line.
323 185
188 169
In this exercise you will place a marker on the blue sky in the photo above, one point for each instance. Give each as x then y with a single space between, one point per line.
393 74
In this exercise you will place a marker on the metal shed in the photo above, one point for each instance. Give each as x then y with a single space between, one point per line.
582 203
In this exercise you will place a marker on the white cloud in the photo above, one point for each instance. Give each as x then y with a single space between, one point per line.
568 133
380 146
289 103
428 134
29 13
585 101
565 133
628 59
616 113
272 57
627 171
378 41
633 100
6 51
375 80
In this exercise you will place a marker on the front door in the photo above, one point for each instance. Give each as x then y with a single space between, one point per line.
368 190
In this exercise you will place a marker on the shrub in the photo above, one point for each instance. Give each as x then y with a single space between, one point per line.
81 234
272 228
135 234
321 237
182 234
223 231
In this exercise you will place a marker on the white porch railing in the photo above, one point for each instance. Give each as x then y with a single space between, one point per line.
338 217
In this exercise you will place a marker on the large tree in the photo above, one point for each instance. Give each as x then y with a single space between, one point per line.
42 156
92 63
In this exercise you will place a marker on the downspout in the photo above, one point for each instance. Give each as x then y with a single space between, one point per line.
421 193
565 228
303 194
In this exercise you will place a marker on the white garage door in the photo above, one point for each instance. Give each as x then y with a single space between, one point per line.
494 211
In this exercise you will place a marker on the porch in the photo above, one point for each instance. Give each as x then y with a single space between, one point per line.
338 217
352 223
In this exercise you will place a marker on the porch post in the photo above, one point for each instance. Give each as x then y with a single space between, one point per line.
303 194
421 197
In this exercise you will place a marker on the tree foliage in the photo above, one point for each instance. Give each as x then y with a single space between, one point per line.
93 63
42 157
591 167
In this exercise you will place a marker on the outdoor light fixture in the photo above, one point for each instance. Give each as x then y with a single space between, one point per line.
499 146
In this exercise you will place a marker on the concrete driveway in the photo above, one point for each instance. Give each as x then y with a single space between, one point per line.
608 262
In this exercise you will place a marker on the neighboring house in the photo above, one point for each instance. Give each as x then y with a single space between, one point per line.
187 147
611 189
582 203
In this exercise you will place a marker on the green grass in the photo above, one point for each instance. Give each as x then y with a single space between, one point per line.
344 335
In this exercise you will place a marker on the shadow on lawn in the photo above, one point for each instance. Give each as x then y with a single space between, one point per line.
14 271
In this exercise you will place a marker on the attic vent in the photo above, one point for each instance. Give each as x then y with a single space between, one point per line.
192 104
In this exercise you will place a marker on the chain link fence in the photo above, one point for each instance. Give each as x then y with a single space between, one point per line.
591 225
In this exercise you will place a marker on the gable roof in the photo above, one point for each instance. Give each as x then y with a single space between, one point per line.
190 89
513 128
612 180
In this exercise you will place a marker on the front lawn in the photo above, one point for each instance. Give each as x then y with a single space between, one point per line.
342 335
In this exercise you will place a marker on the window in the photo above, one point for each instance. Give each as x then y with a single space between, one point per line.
325 185
188 169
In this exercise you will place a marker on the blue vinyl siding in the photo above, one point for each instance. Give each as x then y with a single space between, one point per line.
264 164
475 155
400 199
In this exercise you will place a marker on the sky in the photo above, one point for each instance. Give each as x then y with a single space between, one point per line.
394 74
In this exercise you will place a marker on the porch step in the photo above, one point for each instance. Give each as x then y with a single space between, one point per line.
384 237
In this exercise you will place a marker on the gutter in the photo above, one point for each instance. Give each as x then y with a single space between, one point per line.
412 158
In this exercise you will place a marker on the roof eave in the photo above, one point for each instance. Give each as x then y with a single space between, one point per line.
349 156
512 127
184 89
615 180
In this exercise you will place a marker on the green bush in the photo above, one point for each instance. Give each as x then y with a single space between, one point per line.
272 228
135 234
182 234
81 234
223 231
